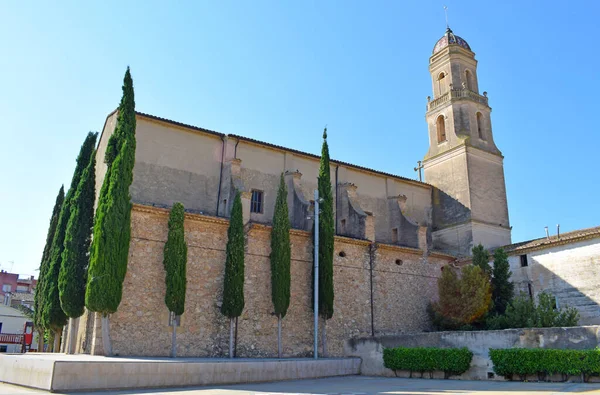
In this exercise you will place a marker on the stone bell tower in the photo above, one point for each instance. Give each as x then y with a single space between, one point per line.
463 163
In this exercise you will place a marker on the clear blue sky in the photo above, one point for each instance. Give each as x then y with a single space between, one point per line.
279 71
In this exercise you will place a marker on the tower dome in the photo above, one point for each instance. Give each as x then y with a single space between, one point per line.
450 38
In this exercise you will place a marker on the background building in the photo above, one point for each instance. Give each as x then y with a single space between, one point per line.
16 290
566 265
12 323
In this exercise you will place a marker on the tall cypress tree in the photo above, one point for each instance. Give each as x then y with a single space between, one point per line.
112 225
52 314
175 263
481 258
502 287
38 300
75 257
326 239
233 283
280 259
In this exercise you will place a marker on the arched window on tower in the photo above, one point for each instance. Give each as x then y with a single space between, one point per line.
441 83
480 126
441 129
469 80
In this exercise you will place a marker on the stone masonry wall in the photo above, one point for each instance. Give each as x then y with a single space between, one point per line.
140 326
370 350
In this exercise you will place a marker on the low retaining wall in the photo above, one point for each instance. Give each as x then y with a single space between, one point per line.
479 342
60 372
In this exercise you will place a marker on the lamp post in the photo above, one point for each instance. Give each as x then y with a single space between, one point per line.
316 277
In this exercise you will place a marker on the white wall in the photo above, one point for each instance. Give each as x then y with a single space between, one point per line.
570 272
12 321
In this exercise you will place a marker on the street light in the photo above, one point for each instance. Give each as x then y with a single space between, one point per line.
316 276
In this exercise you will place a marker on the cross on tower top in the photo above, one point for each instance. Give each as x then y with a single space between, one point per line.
446 12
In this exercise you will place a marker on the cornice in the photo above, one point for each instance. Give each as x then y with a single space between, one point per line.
349 240
191 216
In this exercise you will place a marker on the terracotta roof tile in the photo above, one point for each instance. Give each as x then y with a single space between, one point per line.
567 237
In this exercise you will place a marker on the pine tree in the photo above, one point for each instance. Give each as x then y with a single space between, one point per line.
112 226
481 258
175 263
38 300
280 259
502 287
326 239
53 316
233 284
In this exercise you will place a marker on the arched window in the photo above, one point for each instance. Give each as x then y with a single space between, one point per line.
441 129
480 126
441 81
468 80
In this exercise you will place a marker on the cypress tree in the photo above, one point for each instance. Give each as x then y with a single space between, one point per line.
502 287
326 239
175 262
53 316
38 300
233 284
75 259
280 259
112 226
481 258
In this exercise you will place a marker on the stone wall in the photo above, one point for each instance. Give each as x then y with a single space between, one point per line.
371 349
401 281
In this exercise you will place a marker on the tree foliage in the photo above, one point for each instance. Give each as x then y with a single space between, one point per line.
112 227
481 258
502 287
75 259
233 287
38 301
463 299
175 261
52 313
326 234
522 312
280 253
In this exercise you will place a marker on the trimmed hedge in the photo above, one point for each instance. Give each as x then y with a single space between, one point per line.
543 362
452 361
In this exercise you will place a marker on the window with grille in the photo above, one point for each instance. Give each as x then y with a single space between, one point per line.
256 203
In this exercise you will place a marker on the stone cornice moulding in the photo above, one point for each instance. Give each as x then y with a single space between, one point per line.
295 232
191 216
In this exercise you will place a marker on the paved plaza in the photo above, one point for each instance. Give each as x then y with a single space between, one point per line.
358 385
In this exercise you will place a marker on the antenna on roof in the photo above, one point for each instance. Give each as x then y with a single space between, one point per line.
446 12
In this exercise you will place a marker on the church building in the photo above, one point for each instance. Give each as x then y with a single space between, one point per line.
462 203
393 234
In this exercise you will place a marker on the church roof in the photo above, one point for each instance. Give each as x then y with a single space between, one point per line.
450 38
543 242
333 161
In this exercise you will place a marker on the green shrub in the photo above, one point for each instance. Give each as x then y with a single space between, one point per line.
522 312
543 362
452 361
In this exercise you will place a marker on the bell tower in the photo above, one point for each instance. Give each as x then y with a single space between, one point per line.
463 163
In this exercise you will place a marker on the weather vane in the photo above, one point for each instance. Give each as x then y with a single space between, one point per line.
446 12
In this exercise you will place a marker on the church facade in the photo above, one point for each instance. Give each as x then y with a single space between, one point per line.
393 234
